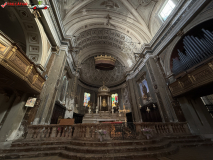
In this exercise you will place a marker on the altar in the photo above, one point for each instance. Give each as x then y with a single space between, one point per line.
104 110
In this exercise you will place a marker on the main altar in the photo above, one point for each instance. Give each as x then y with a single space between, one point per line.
104 111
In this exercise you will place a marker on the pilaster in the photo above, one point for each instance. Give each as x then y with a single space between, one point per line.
161 91
133 100
50 90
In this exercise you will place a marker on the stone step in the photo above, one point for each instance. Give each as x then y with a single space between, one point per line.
84 149
116 142
87 143
188 140
16 155
33 148
38 143
189 136
117 149
120 156
79 156
195 144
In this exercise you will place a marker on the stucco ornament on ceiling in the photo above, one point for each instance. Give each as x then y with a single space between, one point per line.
109 4
93 76
108 37
144 2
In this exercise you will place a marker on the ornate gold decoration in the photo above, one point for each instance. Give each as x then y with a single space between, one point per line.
104 62
15 60
180 33
104 104
105 58
210 65
36 14
124 110
196 78
2 48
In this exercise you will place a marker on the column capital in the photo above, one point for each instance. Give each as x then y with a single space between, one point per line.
130 76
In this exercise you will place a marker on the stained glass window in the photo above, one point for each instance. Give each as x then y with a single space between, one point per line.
86 98
167 9
114 99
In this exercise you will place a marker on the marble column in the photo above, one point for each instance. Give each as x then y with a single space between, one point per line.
108 102
162 93
110 99
97 102
100 103
133 101
197 117
50 89
6 103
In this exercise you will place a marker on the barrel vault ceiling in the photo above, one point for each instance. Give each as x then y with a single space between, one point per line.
114 27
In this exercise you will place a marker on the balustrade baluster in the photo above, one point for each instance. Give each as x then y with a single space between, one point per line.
39 133
59 131
48 132
63 131
35 132
165 129
42 132
30 133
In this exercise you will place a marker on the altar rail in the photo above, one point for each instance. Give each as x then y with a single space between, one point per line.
87 131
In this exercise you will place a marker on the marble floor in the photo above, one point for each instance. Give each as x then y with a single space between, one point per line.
192 153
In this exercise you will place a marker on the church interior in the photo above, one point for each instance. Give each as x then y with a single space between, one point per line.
106 79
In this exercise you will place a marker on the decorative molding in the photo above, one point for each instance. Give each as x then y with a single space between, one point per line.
15 60
193 80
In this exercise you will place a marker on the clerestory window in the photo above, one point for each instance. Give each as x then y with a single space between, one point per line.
167 9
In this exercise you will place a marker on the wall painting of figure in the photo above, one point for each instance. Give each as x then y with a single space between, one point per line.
145 91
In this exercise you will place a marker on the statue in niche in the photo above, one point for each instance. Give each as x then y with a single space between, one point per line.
145 94
104 105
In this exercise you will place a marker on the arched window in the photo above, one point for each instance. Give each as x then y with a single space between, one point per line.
114 99
167 9
86 98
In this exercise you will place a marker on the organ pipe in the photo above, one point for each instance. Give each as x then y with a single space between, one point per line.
196 51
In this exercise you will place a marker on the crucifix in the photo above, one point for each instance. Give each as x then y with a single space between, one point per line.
124 111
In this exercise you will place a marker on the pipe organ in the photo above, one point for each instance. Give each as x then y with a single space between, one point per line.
196 50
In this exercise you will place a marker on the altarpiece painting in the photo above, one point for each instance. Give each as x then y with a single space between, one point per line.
145 91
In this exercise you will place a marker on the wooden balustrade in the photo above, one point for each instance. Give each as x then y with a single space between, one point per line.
88 131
